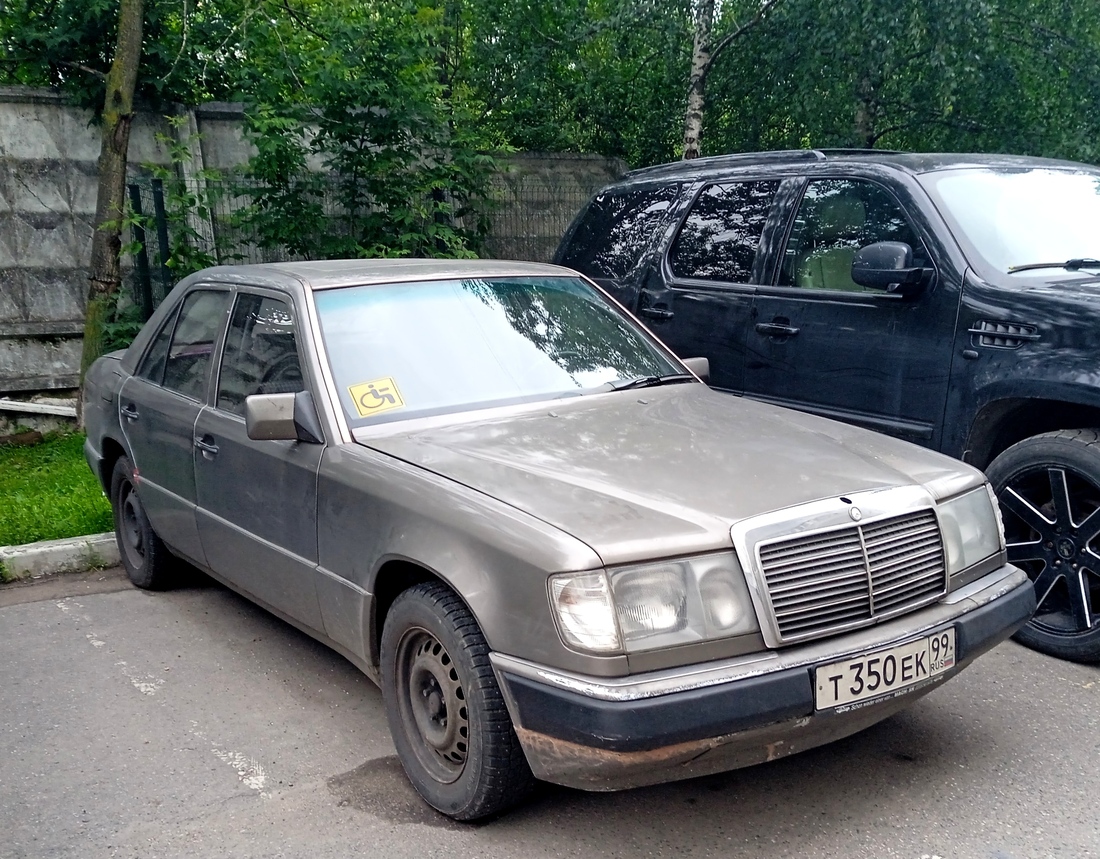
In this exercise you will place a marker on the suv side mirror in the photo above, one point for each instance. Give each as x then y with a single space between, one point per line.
888 266
282 417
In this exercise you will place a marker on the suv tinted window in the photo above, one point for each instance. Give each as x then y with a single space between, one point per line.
835 219
615 230
719 238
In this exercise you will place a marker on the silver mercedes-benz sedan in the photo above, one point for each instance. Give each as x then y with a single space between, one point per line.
558 552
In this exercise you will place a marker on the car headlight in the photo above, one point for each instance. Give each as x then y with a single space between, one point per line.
972 529
651 606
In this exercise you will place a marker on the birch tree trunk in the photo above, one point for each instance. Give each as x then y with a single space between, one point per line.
703 13
117 116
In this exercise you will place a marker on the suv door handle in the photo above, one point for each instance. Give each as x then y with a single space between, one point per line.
655 313
775 329
130 412
207 446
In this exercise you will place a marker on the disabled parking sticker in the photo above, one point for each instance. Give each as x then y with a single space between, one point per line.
373 398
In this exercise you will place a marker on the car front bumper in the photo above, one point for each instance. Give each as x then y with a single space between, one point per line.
600 734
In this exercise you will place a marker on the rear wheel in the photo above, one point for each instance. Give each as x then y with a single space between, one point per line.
147 560
448 719
1049 490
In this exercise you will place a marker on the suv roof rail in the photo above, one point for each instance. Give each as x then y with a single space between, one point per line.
853 150
737 159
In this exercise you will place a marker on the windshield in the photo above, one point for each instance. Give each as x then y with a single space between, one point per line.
1010 218
415 349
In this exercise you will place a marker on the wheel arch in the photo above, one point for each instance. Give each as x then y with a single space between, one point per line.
394 577
1004 422
111 451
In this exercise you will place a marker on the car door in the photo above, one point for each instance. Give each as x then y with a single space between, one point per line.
158 408
822 343
257 500
699 300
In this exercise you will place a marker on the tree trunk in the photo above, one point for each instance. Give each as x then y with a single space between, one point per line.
117 116
866 112
700 65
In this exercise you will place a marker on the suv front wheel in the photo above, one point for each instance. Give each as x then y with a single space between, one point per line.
1049 489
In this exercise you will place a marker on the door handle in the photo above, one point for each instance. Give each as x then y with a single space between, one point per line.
775 329
655 313
207 446
130 412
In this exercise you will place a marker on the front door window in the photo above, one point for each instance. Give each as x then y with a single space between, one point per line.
260 355
835 219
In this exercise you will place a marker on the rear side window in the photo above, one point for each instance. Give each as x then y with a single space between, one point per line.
616 229
720 236
152 365
188 360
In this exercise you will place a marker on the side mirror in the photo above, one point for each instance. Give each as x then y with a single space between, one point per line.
282 417
699 366
888 266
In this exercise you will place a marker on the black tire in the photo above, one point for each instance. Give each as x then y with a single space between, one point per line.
147 560
1049 489
447 717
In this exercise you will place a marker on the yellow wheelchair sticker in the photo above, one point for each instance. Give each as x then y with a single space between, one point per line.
373 398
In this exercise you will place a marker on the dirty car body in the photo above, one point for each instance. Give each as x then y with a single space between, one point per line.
559 553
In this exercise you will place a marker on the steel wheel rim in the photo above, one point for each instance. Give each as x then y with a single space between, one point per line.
130 526
1052 527
432 704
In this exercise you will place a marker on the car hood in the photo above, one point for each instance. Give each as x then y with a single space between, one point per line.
664 471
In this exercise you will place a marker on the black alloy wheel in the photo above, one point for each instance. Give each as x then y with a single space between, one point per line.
1049 491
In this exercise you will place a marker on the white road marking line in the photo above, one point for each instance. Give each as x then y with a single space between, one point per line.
95 642
249 770
147 685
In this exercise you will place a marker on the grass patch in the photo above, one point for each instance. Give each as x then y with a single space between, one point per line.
48 492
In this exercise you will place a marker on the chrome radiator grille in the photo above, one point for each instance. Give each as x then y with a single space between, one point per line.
853 576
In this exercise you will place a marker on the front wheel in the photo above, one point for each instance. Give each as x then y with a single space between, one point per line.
448 719
1049 490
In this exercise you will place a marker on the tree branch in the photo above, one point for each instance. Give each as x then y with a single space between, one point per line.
729 38
87 69
301 22
183 47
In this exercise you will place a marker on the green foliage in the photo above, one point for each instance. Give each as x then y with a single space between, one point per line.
49 492
935 75
359 152
123 328
398 97
606 76
68 44
186 204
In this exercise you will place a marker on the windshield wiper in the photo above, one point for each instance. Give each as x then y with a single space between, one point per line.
1068 265
647 382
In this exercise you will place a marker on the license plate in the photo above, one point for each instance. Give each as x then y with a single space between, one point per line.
885 673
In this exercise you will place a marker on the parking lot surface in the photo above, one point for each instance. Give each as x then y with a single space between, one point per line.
192 723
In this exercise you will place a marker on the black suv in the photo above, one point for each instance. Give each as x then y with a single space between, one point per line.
951 300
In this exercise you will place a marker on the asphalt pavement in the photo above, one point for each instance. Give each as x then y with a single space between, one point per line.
194 724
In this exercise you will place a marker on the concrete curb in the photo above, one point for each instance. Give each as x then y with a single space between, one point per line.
71 555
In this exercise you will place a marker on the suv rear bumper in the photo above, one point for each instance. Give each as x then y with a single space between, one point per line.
596 734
